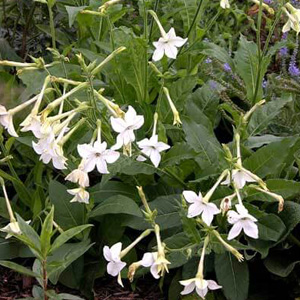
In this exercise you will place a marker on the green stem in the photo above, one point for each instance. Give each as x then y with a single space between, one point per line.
52 28
152 20
45 279
259 53
145 54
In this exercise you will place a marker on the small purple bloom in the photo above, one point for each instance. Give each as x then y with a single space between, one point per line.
283 51
208 61
213 85
294 70
285 35
268 1
227 68
264 83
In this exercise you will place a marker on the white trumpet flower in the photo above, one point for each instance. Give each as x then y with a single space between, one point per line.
80 195
167 45
239 177
12 228
202 286
242 220
125 127
200 206
293 21
113 256
79 176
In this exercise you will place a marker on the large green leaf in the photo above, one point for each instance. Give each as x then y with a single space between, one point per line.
270 228
67 215
233 276
167 214
101 192
203 141
271 159
247 65
116 205
263 115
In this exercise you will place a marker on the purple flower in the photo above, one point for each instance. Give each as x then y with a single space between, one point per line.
283 51
208 61
284 35
268 1
227 68
294 70
264 83
213 85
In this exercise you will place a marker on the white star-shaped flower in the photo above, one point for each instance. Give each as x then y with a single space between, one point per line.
198 206
293 21
168 45
12 227
239 177
149 260
152 148
242 220
97 155
115 265
6 120
125 127
49 150
202 286
33 123
80 195
224 4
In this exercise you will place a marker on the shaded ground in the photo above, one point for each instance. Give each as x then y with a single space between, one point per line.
14 286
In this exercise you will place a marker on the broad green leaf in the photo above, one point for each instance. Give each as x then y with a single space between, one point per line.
247 66
67 235
18 268
290 215
233 276
213 50
272 158
280 264
116 205
203 141
10 248
167 214
202 105
270 228
263 115
67 214
101 192
177 153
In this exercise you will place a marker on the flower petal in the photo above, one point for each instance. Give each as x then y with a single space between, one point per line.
155 157
171 51
235 231
190 196
147 260
250 228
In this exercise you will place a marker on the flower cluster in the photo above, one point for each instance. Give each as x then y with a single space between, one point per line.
237 177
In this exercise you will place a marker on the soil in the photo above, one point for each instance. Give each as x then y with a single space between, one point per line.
15 286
